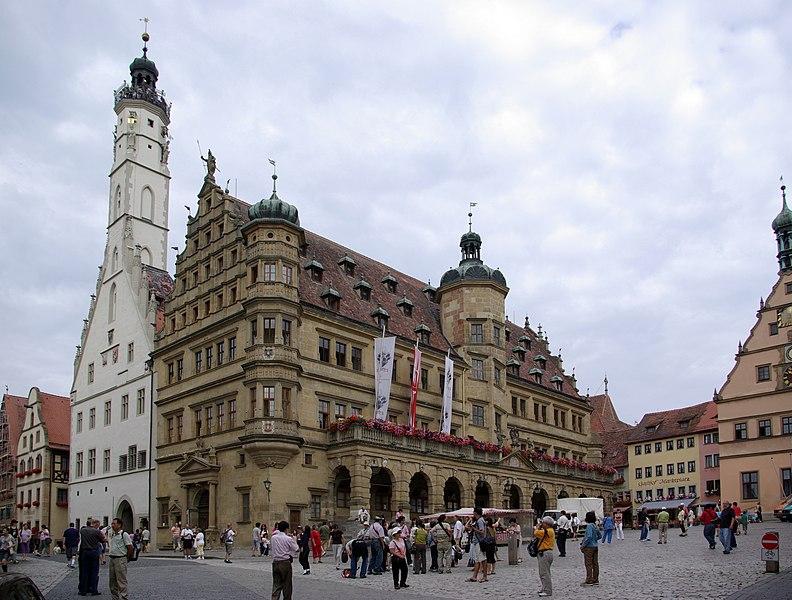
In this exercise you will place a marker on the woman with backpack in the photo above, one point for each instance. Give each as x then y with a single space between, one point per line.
542 546
443 535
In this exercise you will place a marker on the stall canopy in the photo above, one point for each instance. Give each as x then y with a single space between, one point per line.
495 513
669 504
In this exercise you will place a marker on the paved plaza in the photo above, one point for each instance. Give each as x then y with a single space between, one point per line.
629 569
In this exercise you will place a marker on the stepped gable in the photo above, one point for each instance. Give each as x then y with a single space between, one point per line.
669 423
160 282
603 416
56 413
551 369
351 306
15 417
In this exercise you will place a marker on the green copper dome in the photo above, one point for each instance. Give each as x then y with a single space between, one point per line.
274 208
144 64
471 267
784 218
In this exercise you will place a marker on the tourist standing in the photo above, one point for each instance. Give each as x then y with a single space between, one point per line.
443 535
575 526
187 540
432 543
758 513
727 521
682 515
744 522
546 536
6 544
477 532
176 536
491 546
120 551
324 534
590 547
709 519
71 541
662 525
200 543
46 541
91 550
643 522
419 538
377 545
398 550
145 538
284 549
563 531
256 540
618 521
337 545
363 515
228 541
737 513
316 544
608 526
305 549
359 552
24 541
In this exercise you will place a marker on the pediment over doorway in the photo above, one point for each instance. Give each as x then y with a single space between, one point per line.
193 465
518 460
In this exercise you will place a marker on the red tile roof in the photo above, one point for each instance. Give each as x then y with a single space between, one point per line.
160 282
14 407
668 423
604 417
614 447
613 432
56 412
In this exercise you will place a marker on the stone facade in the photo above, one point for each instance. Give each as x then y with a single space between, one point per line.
12 415
265 371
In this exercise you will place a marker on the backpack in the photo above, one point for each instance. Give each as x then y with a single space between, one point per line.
533 547
224 537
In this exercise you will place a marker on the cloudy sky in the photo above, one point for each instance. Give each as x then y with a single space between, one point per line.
624 157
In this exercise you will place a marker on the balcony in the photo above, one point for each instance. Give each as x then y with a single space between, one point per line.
270 441
129 92
553 469
386 439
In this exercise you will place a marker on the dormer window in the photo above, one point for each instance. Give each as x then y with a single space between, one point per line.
331 297
508 334
390 283
525 342
363 289
519 352
315 269
684 424
558 382
541 360
536 374
430 292
513 367
381 317
406 306
423 333
347 264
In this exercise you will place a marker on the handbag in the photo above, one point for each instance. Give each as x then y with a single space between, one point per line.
533 547
344 556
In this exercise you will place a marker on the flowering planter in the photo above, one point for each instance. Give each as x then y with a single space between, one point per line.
27 504
20 475
37 470
19 505
62 504
36 503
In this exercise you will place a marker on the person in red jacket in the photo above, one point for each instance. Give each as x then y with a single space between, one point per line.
709 518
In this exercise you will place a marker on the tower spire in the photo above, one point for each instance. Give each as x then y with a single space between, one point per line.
274 177
470 216
782 227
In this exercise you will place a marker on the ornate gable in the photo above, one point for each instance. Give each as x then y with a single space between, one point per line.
195 467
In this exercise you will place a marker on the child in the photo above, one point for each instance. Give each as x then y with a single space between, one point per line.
200 541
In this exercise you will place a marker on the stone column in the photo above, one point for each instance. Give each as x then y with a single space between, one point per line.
360 487
212 505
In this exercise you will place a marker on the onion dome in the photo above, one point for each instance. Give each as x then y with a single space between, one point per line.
143 71
784 218
274 209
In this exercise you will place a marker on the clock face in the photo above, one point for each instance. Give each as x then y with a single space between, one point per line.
788 354
788 377
785 316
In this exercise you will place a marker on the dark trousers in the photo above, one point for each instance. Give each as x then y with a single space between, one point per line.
356 556
375 562
304 558
281 579
561 539
419 560
433 554
89 572
709 534
399 569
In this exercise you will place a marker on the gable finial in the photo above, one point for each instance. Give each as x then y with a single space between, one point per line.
274 174
470 216
783 190
606 384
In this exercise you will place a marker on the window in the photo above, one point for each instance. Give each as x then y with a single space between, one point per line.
106 461
658 470
710 438
231 348
91 418
340 354
763 373
498 423
269 400
680 444
269 331
141 401
691 466
478 415
774 328
750 485
287 274
478 369
316 506
357 359
692 490
199 360
244 500
170 429
232 413
638 473
340 411
324 349
324 414
786 481
286 332
253 331
197 422
220 352
79 422
639 496
308 459
78 464
124 407
496 335
107 410
91 373
92 461
220 416
647 448
357 411
680 468
476 333
544 413
141 459
233 293
670 469
713 485
130 351
497 373
170 372
740 431
209 414
638 450
670 445
209 357
269 272
786 425
711 461
658 446
691 442
765 430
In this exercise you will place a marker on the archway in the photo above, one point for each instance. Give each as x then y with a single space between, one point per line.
539 501
582 495
452 494
515 496
202 509
126 515
483 494
381 490
342 489
563 494
419 494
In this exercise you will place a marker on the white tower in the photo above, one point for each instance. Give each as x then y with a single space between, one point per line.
112 397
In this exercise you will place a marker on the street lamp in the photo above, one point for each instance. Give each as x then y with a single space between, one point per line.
268 487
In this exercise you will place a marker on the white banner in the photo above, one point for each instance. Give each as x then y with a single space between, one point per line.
384 350
448 395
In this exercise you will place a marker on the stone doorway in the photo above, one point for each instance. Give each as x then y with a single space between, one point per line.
202 509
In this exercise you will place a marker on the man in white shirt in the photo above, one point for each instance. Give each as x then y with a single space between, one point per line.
563 529
256 551
459 529
146 538
120 549
187 536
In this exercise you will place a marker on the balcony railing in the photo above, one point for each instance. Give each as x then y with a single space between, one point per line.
142 93
271 427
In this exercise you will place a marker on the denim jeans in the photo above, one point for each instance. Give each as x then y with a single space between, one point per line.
363 566
645 531
725 539
375 565
709 534
607 536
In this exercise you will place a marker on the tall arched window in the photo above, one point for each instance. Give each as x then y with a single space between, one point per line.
111 313
114 261
30 463
38 461
117 203
21 465
145 256
147 203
